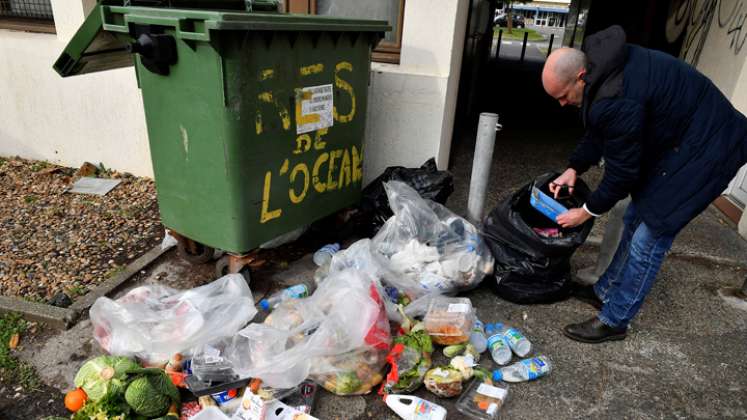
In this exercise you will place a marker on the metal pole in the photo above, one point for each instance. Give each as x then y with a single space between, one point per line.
481 163
549 47
498 47
524 46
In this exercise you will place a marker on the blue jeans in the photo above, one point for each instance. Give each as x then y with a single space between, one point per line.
632 272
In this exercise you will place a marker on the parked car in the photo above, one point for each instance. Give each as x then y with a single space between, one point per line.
516 20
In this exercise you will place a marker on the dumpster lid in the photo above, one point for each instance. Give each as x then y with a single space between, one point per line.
92 49
96 47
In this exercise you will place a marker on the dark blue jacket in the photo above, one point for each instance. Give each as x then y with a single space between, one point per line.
668 136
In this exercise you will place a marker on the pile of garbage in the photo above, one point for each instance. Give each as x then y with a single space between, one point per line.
196 354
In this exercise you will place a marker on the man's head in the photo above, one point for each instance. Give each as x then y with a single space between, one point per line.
563 74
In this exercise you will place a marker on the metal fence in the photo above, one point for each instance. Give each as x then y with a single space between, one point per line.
35 9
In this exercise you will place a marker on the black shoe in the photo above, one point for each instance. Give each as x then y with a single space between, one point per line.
585 293
594 331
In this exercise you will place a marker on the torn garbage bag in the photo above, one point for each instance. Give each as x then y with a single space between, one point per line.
427 180
339 337
531 267
154 322
429 249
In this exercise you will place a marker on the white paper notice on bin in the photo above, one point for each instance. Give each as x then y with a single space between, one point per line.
314 108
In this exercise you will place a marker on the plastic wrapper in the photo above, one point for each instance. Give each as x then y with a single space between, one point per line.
154 322
531 267
449 320
409 359
339 337
429 249
209 363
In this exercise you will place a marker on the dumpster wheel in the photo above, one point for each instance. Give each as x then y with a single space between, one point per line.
194 252
233 264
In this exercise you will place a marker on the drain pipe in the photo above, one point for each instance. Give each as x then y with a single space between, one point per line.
481 163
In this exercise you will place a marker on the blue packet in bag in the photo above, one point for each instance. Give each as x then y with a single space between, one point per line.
546 204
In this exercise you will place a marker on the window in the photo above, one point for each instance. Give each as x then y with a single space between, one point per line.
27 15
393 11
541 19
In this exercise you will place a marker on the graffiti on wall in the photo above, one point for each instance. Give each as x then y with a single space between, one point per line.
731 17
696 18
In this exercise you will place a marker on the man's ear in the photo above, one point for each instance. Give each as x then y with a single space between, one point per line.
581 73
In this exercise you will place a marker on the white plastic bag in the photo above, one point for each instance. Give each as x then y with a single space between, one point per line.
154 322
339 336
430 249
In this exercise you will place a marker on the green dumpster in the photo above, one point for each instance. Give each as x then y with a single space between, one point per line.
255 118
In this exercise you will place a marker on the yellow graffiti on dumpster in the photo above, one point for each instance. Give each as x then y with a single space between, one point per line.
342 84
314 165
331 171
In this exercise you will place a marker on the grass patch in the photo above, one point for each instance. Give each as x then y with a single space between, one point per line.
517 34
114 271
12 370
39 166
35 299
76 290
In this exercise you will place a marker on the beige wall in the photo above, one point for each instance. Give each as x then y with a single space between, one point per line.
412 105
96 117
99 117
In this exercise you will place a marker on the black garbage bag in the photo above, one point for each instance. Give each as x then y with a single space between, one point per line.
530 268
427 180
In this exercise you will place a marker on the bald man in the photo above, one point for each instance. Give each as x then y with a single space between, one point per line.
668 138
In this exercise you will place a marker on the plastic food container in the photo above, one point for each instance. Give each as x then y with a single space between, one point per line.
449 320
483 400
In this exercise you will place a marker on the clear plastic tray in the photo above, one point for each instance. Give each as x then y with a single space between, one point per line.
483 400
449 320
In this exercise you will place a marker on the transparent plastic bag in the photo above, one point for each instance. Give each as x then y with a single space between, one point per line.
358 256
339 337
154 322
429 248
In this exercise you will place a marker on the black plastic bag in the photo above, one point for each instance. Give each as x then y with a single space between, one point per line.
530 268
427 180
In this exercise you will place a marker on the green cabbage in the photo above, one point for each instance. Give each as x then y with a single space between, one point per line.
104 376
145 399
151 394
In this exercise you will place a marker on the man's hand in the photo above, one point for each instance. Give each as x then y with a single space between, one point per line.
567 178
573 218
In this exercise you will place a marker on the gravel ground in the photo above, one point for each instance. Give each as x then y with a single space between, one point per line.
55 241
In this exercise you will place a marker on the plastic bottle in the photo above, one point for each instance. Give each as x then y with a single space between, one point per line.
409 407
325 253
297 291
515 339
524 370
477 337
498 346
